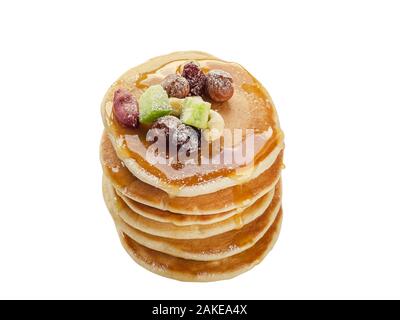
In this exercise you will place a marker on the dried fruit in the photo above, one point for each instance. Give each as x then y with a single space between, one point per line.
196 78
125 108
195 112
186 139
162 128
153 104
175 134
219 85
176 86
215 127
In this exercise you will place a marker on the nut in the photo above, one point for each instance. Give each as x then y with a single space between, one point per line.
219 85
176 105
215 127
176 86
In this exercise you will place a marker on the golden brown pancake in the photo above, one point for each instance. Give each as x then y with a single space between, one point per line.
118 207
202 271
196 222
250 108
217 247
177 218
221 201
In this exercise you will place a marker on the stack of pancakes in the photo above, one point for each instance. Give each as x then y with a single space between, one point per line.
202 222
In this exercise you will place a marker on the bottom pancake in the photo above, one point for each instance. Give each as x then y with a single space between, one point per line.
217 247
202 271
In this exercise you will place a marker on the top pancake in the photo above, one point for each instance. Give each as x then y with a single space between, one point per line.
249 108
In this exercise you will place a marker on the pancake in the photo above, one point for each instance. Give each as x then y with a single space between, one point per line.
213 248
202 271
177 218
224 200
250 108
210 218
118 207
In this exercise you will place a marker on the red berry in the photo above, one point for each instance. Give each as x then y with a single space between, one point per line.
126 108
219 85
196 78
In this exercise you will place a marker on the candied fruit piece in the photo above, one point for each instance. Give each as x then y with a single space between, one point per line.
196 78
125 108
186 139
195 112
153 104
176 135
162 128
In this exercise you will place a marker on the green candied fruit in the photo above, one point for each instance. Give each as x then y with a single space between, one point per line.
195 112
153 104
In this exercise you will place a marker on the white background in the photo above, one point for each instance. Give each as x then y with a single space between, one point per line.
333 70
